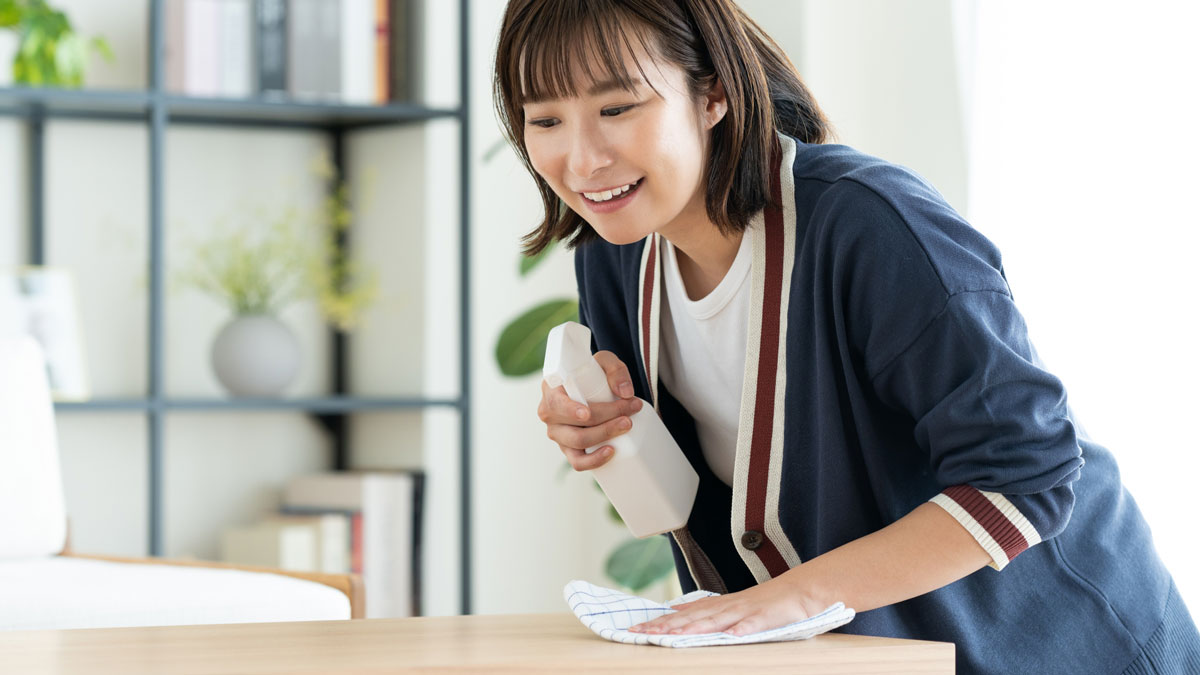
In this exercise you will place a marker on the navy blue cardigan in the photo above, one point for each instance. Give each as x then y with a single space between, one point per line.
888 366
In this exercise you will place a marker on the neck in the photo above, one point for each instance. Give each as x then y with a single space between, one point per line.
704 256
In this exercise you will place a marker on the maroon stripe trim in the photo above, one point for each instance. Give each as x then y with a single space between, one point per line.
647 297
989 517
768 358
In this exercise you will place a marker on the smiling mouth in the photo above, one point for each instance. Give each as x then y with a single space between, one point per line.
610 195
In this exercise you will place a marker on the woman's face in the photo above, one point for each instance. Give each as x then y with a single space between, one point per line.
628 162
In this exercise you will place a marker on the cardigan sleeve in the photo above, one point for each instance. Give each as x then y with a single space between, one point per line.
994 423
931 315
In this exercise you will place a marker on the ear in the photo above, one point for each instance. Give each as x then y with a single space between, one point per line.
715 104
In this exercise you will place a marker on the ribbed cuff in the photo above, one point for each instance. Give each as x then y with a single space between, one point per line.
991 519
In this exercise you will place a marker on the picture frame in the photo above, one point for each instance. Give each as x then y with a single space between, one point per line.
40 301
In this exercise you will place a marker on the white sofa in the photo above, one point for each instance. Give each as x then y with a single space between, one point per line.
45 585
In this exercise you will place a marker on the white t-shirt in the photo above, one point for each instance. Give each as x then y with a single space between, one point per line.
704 354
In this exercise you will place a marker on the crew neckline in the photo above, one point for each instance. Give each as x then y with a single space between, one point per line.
719 297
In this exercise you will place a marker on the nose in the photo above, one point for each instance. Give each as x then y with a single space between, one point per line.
589 152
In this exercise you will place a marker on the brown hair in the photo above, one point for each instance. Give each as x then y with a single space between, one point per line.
710 40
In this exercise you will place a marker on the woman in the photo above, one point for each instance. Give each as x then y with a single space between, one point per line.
834 348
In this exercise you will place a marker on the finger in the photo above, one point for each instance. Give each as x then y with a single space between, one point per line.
565 410
671 622
571 436
581 461
618 374
748 625
713 623
603 412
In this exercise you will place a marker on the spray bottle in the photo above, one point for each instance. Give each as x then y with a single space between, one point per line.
648 480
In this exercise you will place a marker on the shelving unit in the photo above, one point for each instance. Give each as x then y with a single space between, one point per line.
158 109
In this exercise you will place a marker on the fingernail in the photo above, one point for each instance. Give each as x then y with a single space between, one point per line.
624 423
581 413
626 389
606 451
636 404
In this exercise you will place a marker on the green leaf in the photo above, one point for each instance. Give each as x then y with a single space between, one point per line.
10 13
100 46
528 262
639 563
494 150
616 517
521 349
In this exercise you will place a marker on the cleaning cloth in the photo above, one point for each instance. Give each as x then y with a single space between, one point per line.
610 613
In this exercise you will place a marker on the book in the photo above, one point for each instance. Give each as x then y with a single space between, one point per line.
201 31
383 33
389 512
404 49
333 541
303 41
234 54
286 546
271 47
173 47
358 52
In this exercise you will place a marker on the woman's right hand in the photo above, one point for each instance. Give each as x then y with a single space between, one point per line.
576 427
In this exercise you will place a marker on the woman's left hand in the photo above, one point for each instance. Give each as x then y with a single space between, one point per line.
770 604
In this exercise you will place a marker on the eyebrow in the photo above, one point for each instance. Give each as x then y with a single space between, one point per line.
596 89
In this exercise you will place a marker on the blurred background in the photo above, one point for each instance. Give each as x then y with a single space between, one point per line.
1065 131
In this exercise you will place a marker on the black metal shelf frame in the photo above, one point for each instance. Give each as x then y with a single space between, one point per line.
159 108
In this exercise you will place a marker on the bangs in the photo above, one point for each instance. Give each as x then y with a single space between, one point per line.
562 39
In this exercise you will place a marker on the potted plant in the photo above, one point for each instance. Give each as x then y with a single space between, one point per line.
256 276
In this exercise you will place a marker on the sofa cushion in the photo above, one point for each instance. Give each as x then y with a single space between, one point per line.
63 592
31 491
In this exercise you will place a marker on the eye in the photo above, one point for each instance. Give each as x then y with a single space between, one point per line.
613 112
545 122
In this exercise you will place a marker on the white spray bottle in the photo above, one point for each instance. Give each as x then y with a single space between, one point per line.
648 480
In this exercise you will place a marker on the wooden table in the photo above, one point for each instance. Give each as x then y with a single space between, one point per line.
530 643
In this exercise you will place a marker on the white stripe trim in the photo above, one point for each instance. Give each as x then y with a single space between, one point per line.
1015 517
655 304
999 557
774 529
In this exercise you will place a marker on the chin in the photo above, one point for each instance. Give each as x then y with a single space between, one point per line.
619 235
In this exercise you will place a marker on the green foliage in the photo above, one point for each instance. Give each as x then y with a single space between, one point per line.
528 262
342 286
262 274
253 275
640 563
50 53
521 349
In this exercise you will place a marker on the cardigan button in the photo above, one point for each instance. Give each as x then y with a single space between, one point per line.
752 539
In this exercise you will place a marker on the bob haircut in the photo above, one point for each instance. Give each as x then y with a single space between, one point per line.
710 40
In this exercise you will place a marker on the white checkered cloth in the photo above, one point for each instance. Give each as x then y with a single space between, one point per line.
610 613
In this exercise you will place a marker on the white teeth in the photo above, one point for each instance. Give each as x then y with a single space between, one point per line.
608 194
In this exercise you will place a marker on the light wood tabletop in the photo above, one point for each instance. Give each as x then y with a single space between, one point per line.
526 643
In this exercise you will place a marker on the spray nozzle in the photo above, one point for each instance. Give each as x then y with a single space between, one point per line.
570 364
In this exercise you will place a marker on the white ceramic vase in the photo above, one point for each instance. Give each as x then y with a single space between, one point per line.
255 355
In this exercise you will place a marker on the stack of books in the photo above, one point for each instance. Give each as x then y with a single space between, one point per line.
344 51
366 523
